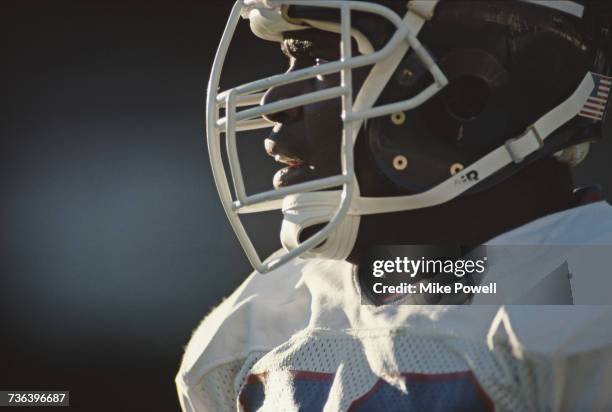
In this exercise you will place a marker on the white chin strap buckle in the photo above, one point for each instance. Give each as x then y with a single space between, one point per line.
304 210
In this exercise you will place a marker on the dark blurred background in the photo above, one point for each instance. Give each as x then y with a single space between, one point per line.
113 244
113 241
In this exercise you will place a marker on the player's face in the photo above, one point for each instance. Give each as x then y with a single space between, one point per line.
307 139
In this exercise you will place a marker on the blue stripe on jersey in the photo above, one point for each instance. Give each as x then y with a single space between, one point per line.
448 392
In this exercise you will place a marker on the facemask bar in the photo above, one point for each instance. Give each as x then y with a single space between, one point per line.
249 119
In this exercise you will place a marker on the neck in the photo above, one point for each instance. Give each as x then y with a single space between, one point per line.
540 189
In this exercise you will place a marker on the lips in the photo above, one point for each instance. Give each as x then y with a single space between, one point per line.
297 172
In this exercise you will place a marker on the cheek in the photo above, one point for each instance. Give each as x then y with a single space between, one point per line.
323 128
323 125
322 120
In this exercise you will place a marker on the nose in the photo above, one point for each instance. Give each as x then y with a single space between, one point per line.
279 93
287 142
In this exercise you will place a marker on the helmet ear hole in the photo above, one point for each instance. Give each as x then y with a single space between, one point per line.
475 75
466 97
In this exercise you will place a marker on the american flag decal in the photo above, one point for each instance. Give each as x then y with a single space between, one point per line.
595 106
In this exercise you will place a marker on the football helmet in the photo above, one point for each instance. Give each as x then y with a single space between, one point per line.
439 117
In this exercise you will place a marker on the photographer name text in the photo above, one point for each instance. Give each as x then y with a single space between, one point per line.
434 288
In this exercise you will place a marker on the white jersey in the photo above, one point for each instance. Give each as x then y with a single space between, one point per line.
299 338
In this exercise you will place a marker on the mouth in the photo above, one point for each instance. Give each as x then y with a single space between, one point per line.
297 171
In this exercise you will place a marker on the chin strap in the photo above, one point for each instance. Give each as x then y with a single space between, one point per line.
305 210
